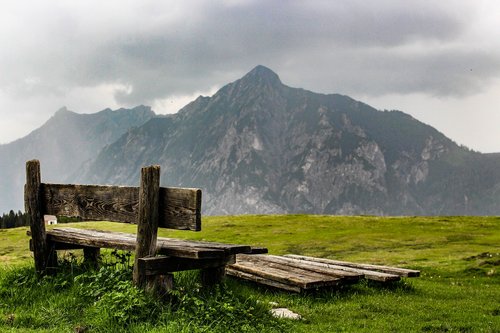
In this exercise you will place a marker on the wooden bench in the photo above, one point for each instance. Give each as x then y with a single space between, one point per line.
149 206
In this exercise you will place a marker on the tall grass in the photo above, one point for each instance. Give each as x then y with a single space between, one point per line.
81 300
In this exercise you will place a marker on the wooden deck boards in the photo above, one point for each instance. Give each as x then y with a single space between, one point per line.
403 272
300 273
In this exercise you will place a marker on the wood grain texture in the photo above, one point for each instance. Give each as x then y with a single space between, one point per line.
69 238
92 202
261 280
304 279
297 273
368 274
295 263
403 272
227 248
179 208
147 223
161 265
33 207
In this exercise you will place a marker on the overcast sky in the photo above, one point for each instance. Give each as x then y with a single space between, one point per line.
436 60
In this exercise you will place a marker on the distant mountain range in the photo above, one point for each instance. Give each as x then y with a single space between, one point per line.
62 145
258 146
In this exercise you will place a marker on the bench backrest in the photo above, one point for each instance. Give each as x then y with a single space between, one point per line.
179 208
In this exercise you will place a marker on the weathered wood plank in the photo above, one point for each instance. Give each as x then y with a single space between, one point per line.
294 276
60 246
296 263
162 264
404 272
91 238
261 280
368 274
33 207
227 248
75 238
258 250
179 208
92 202
147 223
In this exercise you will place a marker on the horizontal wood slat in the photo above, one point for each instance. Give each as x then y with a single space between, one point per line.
403 272
368 274
180 208
124 241
300 264
302 278
91 202
261 280
164 265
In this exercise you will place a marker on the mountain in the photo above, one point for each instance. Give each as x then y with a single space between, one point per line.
259 146
62 144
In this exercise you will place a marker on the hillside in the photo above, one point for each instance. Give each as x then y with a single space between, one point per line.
259 146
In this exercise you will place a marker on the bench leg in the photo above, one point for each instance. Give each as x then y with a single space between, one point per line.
166 282
51 259
212 276
158 285
91 256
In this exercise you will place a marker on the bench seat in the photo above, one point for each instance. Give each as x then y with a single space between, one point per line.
71 238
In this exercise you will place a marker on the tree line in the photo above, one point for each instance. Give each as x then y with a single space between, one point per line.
14 220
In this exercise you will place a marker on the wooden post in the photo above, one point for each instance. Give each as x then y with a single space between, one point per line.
212 276
91 256
147 224
33 207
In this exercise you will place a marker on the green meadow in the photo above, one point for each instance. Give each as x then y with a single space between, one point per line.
458 291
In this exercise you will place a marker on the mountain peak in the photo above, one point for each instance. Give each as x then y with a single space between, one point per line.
62 110
262 74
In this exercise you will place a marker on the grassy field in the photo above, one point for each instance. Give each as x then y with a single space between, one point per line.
459 290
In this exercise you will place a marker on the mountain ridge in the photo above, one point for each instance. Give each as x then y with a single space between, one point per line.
62 144
259 146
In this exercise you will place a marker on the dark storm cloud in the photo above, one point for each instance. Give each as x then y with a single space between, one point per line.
374 47
354 42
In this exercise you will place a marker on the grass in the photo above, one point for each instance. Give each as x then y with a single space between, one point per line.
459 290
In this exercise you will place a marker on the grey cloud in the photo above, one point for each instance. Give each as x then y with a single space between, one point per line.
333 46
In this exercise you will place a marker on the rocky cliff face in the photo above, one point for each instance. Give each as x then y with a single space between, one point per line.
62 144
258 146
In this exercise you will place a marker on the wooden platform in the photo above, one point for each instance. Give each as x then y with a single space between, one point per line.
299 273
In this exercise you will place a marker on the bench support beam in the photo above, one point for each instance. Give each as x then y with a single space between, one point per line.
91 256
212 276
147 224
44 259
